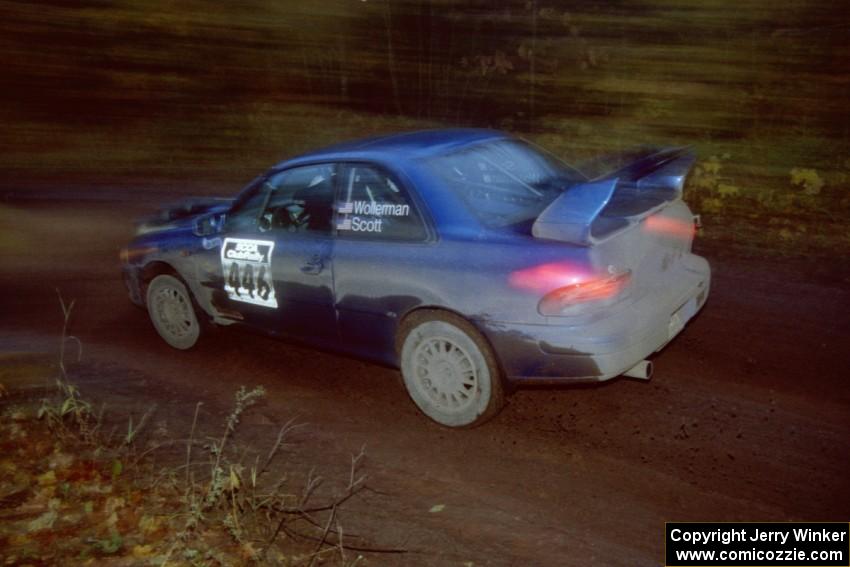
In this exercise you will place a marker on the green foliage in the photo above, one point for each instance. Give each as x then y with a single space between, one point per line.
775 200
117 468
593 77
726 191
254 513
710 188
787 231
808 180
110 546
69 414
106 498
711 205
809 185
711 191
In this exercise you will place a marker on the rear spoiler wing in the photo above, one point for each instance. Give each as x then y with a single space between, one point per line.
625 195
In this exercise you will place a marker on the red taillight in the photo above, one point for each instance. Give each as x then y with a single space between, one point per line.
671 227
565 300
545 277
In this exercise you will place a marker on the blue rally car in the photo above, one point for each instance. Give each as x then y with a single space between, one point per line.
472 260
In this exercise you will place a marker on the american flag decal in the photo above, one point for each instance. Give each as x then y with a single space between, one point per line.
346 208
344 224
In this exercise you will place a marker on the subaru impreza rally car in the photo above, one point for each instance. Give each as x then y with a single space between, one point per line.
472 260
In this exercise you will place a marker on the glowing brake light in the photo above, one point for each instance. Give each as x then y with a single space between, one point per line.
671 227
569 299
545 277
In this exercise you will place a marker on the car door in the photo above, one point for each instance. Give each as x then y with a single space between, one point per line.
276 255
381 235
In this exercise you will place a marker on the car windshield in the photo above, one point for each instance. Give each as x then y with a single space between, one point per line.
505 182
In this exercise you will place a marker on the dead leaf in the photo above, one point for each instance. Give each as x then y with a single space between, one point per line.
247 551
112 520
808 179
8 467
150 524
142 551
42 495
43 522
712 165
114 503
19 415
725 190
234 480
47 479
18 540
60 460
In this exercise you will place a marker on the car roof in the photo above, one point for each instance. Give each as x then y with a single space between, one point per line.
417 144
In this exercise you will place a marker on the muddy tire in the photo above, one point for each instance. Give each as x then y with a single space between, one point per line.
449 369
172 312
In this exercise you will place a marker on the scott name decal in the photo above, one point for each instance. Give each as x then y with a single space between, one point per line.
370 209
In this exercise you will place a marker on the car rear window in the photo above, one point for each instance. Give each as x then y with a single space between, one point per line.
504 182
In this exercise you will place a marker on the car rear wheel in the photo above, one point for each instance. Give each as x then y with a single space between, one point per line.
449 370
172 312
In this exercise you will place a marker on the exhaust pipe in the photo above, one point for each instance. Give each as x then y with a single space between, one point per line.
642 370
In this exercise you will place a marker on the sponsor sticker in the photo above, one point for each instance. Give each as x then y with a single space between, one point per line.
247 268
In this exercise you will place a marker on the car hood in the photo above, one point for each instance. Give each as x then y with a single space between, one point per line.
182 214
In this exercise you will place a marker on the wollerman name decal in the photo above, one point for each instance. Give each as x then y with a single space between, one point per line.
369 209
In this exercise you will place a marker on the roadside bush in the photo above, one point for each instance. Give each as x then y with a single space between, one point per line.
85 491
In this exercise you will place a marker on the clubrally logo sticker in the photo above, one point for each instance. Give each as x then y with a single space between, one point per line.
247 268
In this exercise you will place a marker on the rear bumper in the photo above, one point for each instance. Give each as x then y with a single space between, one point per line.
603 348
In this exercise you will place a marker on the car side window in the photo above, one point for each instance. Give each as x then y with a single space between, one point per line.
373 206
301 200
246 211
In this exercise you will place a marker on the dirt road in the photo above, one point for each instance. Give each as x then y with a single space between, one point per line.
746 418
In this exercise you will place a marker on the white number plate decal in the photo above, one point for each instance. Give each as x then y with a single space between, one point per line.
247 267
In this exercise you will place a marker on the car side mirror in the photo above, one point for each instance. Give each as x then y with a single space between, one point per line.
264 223
208 225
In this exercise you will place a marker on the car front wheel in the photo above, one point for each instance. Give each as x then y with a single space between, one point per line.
449 370
172 312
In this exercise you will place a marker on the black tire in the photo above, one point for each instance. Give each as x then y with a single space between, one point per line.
449 369
172 312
